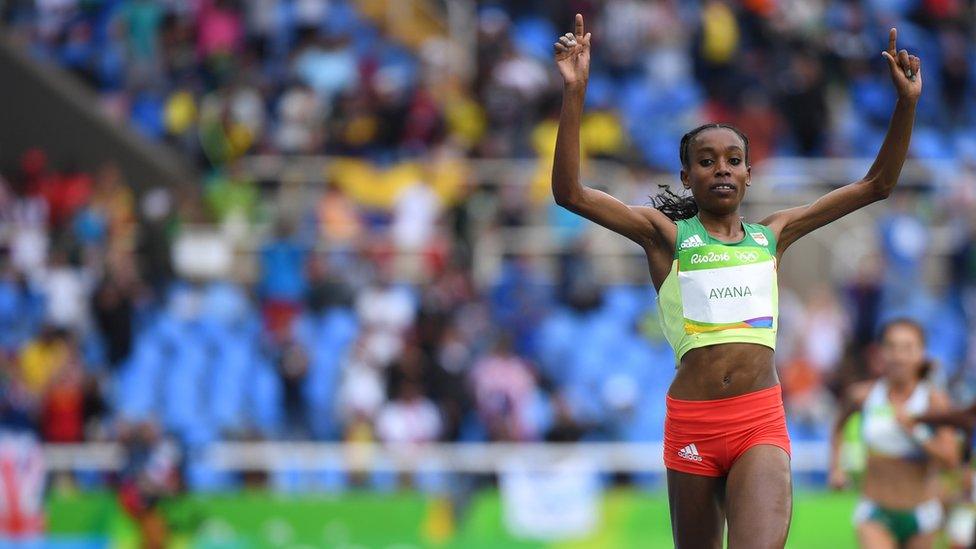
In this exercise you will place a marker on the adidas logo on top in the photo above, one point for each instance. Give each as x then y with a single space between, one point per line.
692 241
690 452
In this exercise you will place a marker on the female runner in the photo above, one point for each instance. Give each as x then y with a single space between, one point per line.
726 446
961 524
900 506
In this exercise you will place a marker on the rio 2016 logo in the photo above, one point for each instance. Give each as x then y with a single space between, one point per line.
746 257
710 257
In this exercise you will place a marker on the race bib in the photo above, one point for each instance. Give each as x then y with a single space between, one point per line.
725 287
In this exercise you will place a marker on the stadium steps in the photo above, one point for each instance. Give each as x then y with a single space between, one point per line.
410 23
46 107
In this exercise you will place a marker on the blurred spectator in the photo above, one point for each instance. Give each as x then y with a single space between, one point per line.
220 33
114 310
232 197
385 311
155 238
22 487
361 392
802 94
577 285
28 215
449 357
95 409
339 219
292 367
63 404
716 45
565 428
328 66
142 20
864 297
65 194
963 263
300 115
414 217
504 385
35 174
283 277
519 299
233 200
17 403
395 361
824 332
66 288
326 288
904 242
42 358
808 402
323 77
410 417
150 474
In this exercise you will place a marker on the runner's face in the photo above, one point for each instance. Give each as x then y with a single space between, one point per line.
717 173
902 353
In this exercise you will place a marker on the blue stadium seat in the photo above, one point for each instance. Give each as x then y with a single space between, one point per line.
137 393
286 478
432 481
627 302
200 477
224 303
147 114
601 92
557 336
228 380
383 480
183 385
340 326
930 143
331 478
472 428
265 405
534 36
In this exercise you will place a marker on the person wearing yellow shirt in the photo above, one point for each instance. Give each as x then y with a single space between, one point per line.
41 358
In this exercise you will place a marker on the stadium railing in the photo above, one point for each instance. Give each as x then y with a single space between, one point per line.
807 457
777 183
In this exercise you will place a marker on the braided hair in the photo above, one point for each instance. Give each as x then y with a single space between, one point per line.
676 206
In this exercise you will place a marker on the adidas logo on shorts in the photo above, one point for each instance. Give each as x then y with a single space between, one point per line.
692 241
690 452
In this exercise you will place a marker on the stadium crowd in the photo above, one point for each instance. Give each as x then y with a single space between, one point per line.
99 333
224 78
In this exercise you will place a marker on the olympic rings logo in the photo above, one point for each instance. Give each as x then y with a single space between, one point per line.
747 257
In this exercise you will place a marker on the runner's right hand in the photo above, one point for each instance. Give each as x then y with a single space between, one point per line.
573 55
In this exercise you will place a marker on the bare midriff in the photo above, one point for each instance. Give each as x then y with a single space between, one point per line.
723 371
897 483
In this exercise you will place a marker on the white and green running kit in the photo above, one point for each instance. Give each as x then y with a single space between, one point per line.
883 435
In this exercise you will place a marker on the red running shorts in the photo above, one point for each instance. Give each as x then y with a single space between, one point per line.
705 437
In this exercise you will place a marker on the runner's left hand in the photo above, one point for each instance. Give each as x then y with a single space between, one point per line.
906 70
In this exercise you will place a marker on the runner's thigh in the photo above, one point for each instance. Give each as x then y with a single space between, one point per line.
759 498
874 535
922 541
697 515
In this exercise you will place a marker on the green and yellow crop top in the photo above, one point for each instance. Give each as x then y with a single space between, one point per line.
719 292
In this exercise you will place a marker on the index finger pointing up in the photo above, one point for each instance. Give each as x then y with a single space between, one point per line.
579 25
892 35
